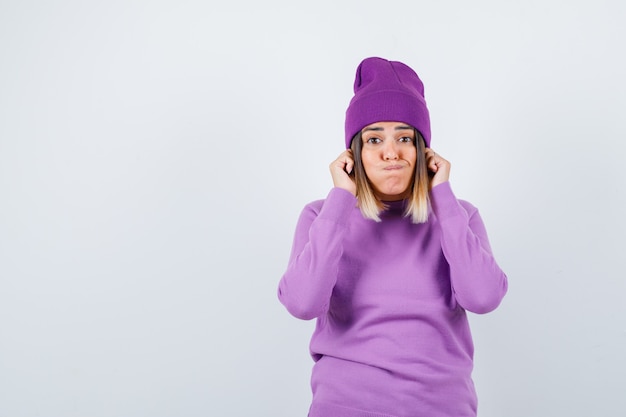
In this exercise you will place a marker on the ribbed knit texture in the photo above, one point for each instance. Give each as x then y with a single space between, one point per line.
392 337
386 91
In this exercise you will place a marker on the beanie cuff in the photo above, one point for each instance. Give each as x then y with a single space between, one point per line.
387 106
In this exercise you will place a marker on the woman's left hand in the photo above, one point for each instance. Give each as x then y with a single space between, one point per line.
439 166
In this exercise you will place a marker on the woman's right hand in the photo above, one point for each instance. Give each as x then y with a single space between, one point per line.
340 169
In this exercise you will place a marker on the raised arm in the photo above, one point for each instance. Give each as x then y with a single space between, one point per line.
311 274
477 281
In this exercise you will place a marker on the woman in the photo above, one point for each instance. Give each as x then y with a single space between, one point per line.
389 263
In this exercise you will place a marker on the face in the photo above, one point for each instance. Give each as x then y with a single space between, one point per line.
389 156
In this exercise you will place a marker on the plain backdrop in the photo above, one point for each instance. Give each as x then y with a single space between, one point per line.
155 156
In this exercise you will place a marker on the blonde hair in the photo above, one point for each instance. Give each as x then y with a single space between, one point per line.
418 199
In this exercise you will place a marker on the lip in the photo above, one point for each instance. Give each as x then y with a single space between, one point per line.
393 167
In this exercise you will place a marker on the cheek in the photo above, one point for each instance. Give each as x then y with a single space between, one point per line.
368 160
411 156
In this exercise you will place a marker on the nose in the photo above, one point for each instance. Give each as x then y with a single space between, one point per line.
390 153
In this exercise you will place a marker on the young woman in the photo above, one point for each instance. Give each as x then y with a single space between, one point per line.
389 263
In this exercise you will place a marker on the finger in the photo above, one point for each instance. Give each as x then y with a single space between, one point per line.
341 159
429 154
343 163
349 166
431 159
349 161
345 158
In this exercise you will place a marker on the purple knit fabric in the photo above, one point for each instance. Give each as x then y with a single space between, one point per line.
386 91
392 337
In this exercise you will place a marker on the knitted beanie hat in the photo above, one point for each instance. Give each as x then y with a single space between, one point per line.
386 91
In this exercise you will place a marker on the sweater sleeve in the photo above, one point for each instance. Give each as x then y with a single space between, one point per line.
477 281
306 287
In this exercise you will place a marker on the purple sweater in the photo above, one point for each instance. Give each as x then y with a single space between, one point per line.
392 337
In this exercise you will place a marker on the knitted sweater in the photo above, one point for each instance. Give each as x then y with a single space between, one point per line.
392 337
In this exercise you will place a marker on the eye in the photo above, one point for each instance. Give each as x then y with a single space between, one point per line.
405 139
373 140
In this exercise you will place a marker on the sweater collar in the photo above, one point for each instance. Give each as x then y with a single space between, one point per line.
398 206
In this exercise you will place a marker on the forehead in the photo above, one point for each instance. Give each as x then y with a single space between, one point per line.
387 126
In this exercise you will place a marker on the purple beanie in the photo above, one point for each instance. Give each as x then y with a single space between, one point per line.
386 91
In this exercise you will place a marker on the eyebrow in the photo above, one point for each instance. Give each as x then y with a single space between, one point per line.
380 129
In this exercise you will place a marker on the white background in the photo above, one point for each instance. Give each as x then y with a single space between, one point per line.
154 158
